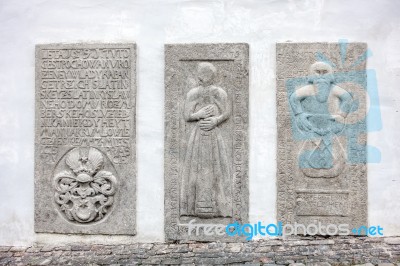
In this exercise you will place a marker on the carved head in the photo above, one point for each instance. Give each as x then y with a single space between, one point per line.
321 72
320 68
206 73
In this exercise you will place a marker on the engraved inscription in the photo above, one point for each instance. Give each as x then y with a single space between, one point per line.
85 100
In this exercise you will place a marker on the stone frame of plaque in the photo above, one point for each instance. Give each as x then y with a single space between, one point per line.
222 69
85 138
321 153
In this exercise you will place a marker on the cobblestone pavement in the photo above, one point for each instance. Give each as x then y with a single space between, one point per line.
294 252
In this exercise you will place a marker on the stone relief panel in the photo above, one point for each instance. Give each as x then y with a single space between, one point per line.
84 192
85 158
206 148
321 105
206 188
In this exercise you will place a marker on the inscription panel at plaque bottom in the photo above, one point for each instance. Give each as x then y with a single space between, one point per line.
327 203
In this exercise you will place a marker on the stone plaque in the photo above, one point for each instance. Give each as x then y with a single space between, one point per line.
85 160
321 105
206 138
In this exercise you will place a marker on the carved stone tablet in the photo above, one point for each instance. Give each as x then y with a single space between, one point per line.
321 102
206 146
85 161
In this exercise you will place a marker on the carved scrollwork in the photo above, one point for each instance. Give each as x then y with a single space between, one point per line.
85 192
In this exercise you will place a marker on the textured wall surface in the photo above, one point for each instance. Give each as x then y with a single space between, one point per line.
293 252
151 24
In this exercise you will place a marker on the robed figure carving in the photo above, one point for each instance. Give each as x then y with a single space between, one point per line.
206 187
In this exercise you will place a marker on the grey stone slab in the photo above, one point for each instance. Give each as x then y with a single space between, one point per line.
85 154
206 138
321 105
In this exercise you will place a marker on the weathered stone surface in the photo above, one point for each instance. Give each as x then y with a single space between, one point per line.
234 247
214 253
85 160
321 105
392 241
206 138
17 249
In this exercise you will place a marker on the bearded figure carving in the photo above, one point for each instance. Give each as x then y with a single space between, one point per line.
85 193
320 110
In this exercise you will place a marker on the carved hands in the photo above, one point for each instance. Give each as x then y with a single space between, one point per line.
205 112
208 123
303 123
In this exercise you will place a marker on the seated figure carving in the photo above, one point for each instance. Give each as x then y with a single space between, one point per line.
320 110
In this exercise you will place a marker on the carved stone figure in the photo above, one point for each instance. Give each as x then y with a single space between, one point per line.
321 118
206 188
85 192
320 110
206 139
